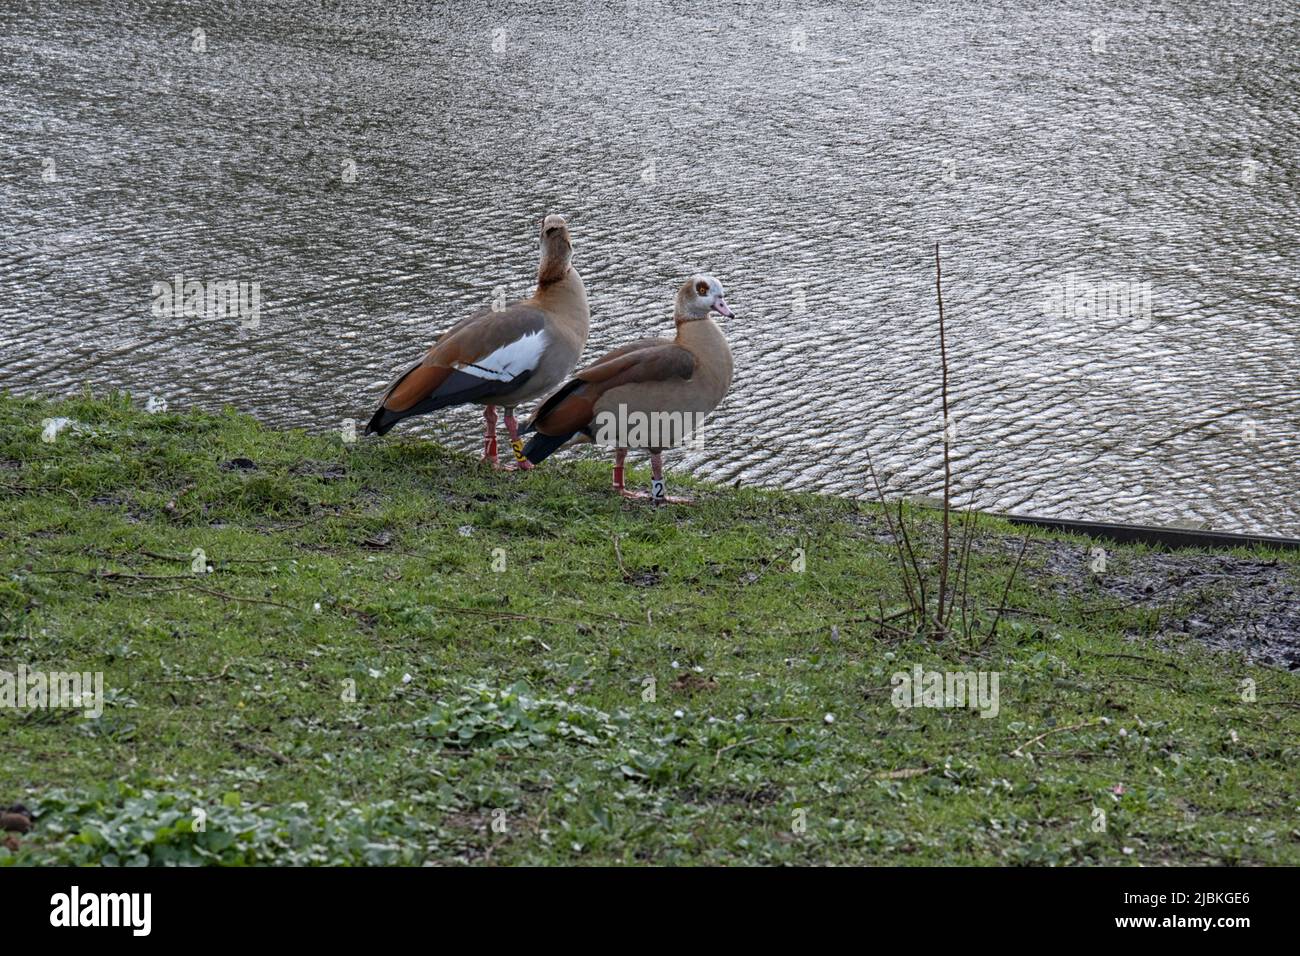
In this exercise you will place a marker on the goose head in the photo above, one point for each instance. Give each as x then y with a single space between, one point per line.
700 295
555 234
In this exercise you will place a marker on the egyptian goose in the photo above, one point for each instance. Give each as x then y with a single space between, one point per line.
501 356
652 393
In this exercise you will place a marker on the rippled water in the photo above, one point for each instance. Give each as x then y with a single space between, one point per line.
809 155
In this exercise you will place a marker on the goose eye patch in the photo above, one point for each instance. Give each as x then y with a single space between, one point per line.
701 288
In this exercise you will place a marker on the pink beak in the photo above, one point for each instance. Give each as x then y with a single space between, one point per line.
720 306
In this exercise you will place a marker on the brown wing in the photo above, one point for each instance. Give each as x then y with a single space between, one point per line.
634 346
476 339
650 360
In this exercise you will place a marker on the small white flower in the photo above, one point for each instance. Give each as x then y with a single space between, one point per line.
316 607
740 718
406 678
674 665
1123 732
829 718
465 530
679 714
374 673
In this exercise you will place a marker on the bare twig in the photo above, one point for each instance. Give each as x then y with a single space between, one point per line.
738 743
894 534
993 631
947 462
968 535
962 579
1139 679
1055 730
618 556
509 615
916 565
224 595
187 558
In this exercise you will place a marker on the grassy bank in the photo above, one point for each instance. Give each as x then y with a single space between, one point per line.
398 656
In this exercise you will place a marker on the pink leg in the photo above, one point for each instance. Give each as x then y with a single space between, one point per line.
657 483
620 456
516 443
490 435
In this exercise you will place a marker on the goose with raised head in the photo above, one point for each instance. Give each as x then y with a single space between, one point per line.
505 356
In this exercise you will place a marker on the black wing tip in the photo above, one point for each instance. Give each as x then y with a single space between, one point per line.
540 447
380 422
460 388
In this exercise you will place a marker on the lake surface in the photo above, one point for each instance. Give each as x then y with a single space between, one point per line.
1115 192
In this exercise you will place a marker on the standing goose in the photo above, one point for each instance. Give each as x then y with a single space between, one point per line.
652 393
501 357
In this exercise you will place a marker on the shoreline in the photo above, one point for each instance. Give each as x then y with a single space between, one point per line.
1138 530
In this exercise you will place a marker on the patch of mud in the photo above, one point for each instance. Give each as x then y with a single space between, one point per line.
1228 603
1245 605
689 683
321 470
647 578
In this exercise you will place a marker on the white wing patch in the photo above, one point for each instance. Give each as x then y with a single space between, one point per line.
511 360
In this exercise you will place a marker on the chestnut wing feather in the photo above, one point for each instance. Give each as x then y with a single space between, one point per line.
571 408
484 347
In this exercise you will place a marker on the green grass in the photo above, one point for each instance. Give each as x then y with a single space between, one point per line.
504 716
